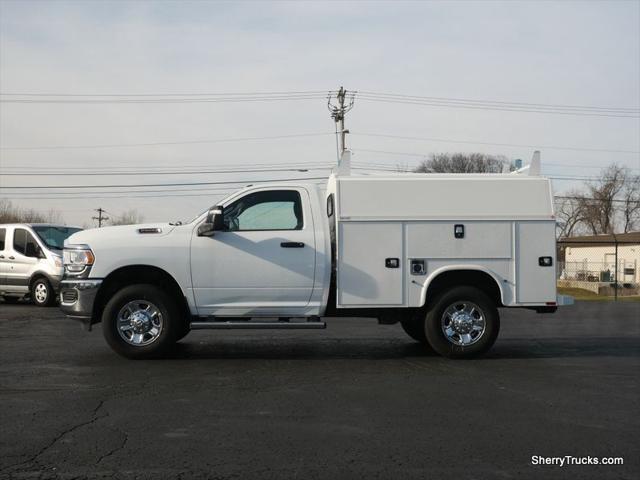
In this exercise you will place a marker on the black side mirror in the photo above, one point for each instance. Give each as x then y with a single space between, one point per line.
214 221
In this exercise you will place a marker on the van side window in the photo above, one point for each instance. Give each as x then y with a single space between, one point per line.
269 210
3 233
24 243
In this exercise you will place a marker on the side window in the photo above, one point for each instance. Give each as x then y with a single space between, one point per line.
19 240
24 243
269 210
3 233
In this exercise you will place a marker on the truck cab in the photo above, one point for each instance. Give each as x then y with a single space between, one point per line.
400 248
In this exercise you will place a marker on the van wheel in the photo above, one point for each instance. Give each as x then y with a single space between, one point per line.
462 323
141 321
41 293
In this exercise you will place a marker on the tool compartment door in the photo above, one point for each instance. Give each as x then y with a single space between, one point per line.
535 284
366 276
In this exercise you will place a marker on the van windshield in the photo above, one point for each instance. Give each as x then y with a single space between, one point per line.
54 237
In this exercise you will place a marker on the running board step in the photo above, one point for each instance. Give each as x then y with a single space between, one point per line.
247 325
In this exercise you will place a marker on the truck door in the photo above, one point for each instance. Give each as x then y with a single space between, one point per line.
263 262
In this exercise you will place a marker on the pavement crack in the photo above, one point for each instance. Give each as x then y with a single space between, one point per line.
94 418
125 439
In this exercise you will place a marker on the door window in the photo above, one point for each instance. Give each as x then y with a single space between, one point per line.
3 233
269 210
24 243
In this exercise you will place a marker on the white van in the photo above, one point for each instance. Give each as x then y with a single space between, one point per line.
31 261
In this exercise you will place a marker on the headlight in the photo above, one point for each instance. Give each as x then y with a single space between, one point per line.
77 261
57 261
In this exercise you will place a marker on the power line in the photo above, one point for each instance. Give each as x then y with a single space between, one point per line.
426 155
218 194
153 144
160 184
164 100
498 102
145 173
174 94
121 192
619 112
473 142
181 167
369 99
591 199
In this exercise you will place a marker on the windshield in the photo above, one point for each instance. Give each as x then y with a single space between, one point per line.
54 237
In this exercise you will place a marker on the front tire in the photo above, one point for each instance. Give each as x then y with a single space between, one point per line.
462 323
42 294
141 321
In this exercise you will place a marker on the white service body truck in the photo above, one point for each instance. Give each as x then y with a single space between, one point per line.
438 253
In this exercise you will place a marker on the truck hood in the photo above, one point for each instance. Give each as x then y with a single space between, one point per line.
130 233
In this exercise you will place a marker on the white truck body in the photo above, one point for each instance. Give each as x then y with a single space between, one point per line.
388 240
508 222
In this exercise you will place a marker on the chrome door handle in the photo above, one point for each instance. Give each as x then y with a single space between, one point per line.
1 256
292 245
12 257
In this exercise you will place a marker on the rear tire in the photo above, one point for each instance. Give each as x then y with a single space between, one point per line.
141 321
42 295
462 323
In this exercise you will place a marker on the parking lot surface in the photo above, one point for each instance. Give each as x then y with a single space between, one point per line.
357 400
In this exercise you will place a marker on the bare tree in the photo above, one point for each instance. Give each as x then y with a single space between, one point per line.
631 208
462 163
10 213
569 214
608 205
129 217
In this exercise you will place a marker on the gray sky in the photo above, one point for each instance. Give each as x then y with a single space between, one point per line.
568 53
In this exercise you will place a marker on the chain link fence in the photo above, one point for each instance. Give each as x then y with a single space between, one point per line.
608 269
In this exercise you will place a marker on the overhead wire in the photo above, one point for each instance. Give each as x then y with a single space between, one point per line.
153 144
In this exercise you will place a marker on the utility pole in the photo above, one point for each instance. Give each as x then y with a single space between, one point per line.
338 113
100 218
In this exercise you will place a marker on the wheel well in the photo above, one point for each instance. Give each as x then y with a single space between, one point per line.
37 276
132 275
472 278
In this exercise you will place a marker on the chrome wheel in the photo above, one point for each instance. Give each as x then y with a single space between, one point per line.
140 323
463 323
41 292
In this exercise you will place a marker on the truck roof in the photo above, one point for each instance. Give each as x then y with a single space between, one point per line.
442 196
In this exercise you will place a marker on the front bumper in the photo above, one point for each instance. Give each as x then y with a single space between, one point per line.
77 298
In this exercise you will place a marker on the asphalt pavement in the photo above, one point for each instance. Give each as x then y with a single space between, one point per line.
357 400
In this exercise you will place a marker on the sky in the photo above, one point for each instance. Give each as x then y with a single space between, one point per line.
556 53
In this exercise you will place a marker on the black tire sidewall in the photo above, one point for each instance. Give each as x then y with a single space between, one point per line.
50 293
433 327
414 327
170 317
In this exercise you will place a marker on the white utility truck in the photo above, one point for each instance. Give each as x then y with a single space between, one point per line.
437 253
